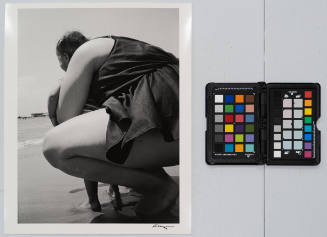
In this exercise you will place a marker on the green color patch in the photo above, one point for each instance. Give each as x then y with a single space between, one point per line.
249 128
239 137
307 119
229 108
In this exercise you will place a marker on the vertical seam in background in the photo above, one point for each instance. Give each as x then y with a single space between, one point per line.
264 78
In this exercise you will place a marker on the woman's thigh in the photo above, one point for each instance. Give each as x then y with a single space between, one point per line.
150 150
83 135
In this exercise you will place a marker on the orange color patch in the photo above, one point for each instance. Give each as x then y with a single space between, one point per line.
307 103
239 98
239 148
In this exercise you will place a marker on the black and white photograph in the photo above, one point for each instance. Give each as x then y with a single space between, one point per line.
99 118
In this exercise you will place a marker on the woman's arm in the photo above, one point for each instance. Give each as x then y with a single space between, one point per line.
75 85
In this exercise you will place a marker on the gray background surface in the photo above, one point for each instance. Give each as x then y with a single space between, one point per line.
249 41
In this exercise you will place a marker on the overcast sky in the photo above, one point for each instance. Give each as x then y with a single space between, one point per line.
40 29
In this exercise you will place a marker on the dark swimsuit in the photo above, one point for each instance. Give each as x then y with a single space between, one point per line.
138 85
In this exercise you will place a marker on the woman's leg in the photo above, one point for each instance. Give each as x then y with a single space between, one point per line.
151 151
78 148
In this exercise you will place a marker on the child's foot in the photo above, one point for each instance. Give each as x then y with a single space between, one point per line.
158 201
95 205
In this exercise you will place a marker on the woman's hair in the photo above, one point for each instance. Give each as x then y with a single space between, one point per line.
70 42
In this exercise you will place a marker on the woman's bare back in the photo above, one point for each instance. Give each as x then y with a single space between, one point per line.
99 49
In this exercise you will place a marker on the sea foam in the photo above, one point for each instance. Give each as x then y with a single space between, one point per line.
31 142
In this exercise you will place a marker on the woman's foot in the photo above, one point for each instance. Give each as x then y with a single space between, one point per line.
158 200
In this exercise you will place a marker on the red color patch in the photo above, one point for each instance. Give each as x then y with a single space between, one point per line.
229 118
307 94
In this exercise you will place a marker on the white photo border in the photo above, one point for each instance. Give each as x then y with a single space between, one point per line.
11 225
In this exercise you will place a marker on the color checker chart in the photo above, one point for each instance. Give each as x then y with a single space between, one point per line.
263 123
293 115
295 132
232 132
234 123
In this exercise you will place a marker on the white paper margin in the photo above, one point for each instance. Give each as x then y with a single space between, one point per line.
11 225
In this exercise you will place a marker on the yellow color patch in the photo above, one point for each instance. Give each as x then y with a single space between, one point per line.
229 128
307 111
238 147
307 103
239 98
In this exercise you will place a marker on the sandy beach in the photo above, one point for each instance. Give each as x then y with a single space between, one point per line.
47 195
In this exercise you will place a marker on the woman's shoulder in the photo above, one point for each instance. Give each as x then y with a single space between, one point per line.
95 50
98 45
126 39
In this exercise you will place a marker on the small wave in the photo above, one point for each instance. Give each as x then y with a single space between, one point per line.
31 142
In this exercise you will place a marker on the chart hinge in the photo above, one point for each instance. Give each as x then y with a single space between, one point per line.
262 91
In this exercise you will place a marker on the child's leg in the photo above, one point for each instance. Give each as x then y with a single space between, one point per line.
92 193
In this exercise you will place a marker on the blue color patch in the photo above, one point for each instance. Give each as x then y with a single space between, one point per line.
307 128
229 98
229 147
307 137
249 118
239 108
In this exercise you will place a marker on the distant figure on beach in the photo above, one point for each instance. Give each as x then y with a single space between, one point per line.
116 117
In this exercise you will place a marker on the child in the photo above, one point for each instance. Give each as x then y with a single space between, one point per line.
67 45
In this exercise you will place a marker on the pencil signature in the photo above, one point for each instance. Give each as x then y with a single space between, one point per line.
162 226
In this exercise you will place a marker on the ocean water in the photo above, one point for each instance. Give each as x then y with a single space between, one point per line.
31 131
